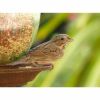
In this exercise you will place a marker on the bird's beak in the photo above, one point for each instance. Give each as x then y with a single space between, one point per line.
69 39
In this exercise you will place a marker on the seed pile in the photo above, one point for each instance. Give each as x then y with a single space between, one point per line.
15 35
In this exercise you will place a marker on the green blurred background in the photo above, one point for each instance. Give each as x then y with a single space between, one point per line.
80 65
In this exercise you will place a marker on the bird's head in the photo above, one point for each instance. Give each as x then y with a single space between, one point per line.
61 40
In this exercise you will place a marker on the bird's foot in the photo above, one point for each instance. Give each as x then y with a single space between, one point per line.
43 65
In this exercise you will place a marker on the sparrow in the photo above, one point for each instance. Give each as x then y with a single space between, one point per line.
44 54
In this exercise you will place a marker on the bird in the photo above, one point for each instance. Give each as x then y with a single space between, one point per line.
44 54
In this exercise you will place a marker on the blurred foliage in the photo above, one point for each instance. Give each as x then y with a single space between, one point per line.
50 24
80 65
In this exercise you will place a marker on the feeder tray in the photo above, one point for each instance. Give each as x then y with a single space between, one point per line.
17 76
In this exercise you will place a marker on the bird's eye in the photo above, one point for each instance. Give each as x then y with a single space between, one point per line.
62 38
